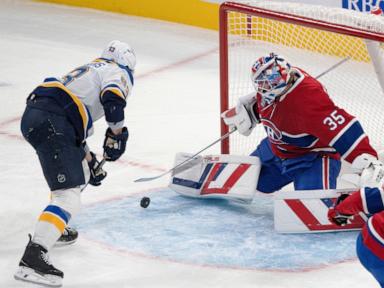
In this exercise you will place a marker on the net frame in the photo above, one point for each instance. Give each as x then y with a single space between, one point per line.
365 27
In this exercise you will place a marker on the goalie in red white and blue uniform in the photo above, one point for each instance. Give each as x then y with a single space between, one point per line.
307 134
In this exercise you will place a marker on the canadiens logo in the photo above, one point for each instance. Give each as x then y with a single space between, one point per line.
273 133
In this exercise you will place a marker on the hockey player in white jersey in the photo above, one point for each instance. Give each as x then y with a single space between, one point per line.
56 122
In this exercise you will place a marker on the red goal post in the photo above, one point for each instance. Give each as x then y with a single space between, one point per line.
311 37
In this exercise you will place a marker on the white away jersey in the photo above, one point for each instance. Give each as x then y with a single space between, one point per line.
89 82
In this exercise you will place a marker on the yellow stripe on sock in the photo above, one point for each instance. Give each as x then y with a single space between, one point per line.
54 220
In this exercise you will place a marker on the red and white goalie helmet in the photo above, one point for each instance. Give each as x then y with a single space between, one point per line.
121 53
270 75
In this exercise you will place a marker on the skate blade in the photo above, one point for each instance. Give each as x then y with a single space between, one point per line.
64 243
29 275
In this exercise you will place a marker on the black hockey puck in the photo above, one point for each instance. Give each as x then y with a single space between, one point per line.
145 202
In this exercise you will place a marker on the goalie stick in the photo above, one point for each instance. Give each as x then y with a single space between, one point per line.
334 66
188 160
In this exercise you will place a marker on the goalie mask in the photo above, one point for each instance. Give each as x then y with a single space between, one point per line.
270 76
121 53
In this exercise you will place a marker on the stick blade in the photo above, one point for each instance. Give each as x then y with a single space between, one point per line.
175 170
146 179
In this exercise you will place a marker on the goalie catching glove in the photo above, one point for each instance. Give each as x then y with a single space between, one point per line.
244 116
114 145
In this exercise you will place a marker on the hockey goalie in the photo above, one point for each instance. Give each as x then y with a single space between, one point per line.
307 137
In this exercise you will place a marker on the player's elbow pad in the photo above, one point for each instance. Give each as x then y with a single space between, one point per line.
113 107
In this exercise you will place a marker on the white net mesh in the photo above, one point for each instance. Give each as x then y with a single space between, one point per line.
333 15
353 85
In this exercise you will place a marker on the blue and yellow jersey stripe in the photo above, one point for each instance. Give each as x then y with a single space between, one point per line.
115 89
74 108
81 107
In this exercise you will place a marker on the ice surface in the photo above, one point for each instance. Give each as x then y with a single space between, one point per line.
174 107
210 232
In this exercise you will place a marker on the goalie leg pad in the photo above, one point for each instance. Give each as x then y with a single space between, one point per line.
306 211
218 176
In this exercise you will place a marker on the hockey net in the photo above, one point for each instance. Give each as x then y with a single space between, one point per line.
310 37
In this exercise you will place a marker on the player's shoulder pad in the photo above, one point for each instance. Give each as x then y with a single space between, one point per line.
310 87
119 78
113 69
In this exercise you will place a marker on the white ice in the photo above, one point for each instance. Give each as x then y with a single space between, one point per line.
174 107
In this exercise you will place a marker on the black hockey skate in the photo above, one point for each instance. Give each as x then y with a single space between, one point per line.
35 267
68 237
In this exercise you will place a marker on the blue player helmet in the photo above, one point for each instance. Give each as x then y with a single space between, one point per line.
270 75
121 53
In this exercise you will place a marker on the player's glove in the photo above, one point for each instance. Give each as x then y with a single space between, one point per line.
337 215
114 145
97 172
244 116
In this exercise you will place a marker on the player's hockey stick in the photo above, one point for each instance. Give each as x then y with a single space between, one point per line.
188 160
101 164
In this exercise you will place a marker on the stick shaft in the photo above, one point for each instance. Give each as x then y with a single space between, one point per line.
101 164
186 160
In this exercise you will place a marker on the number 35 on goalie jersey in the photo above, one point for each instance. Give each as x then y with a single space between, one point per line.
306 120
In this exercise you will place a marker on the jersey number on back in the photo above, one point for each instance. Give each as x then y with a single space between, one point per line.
78 72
